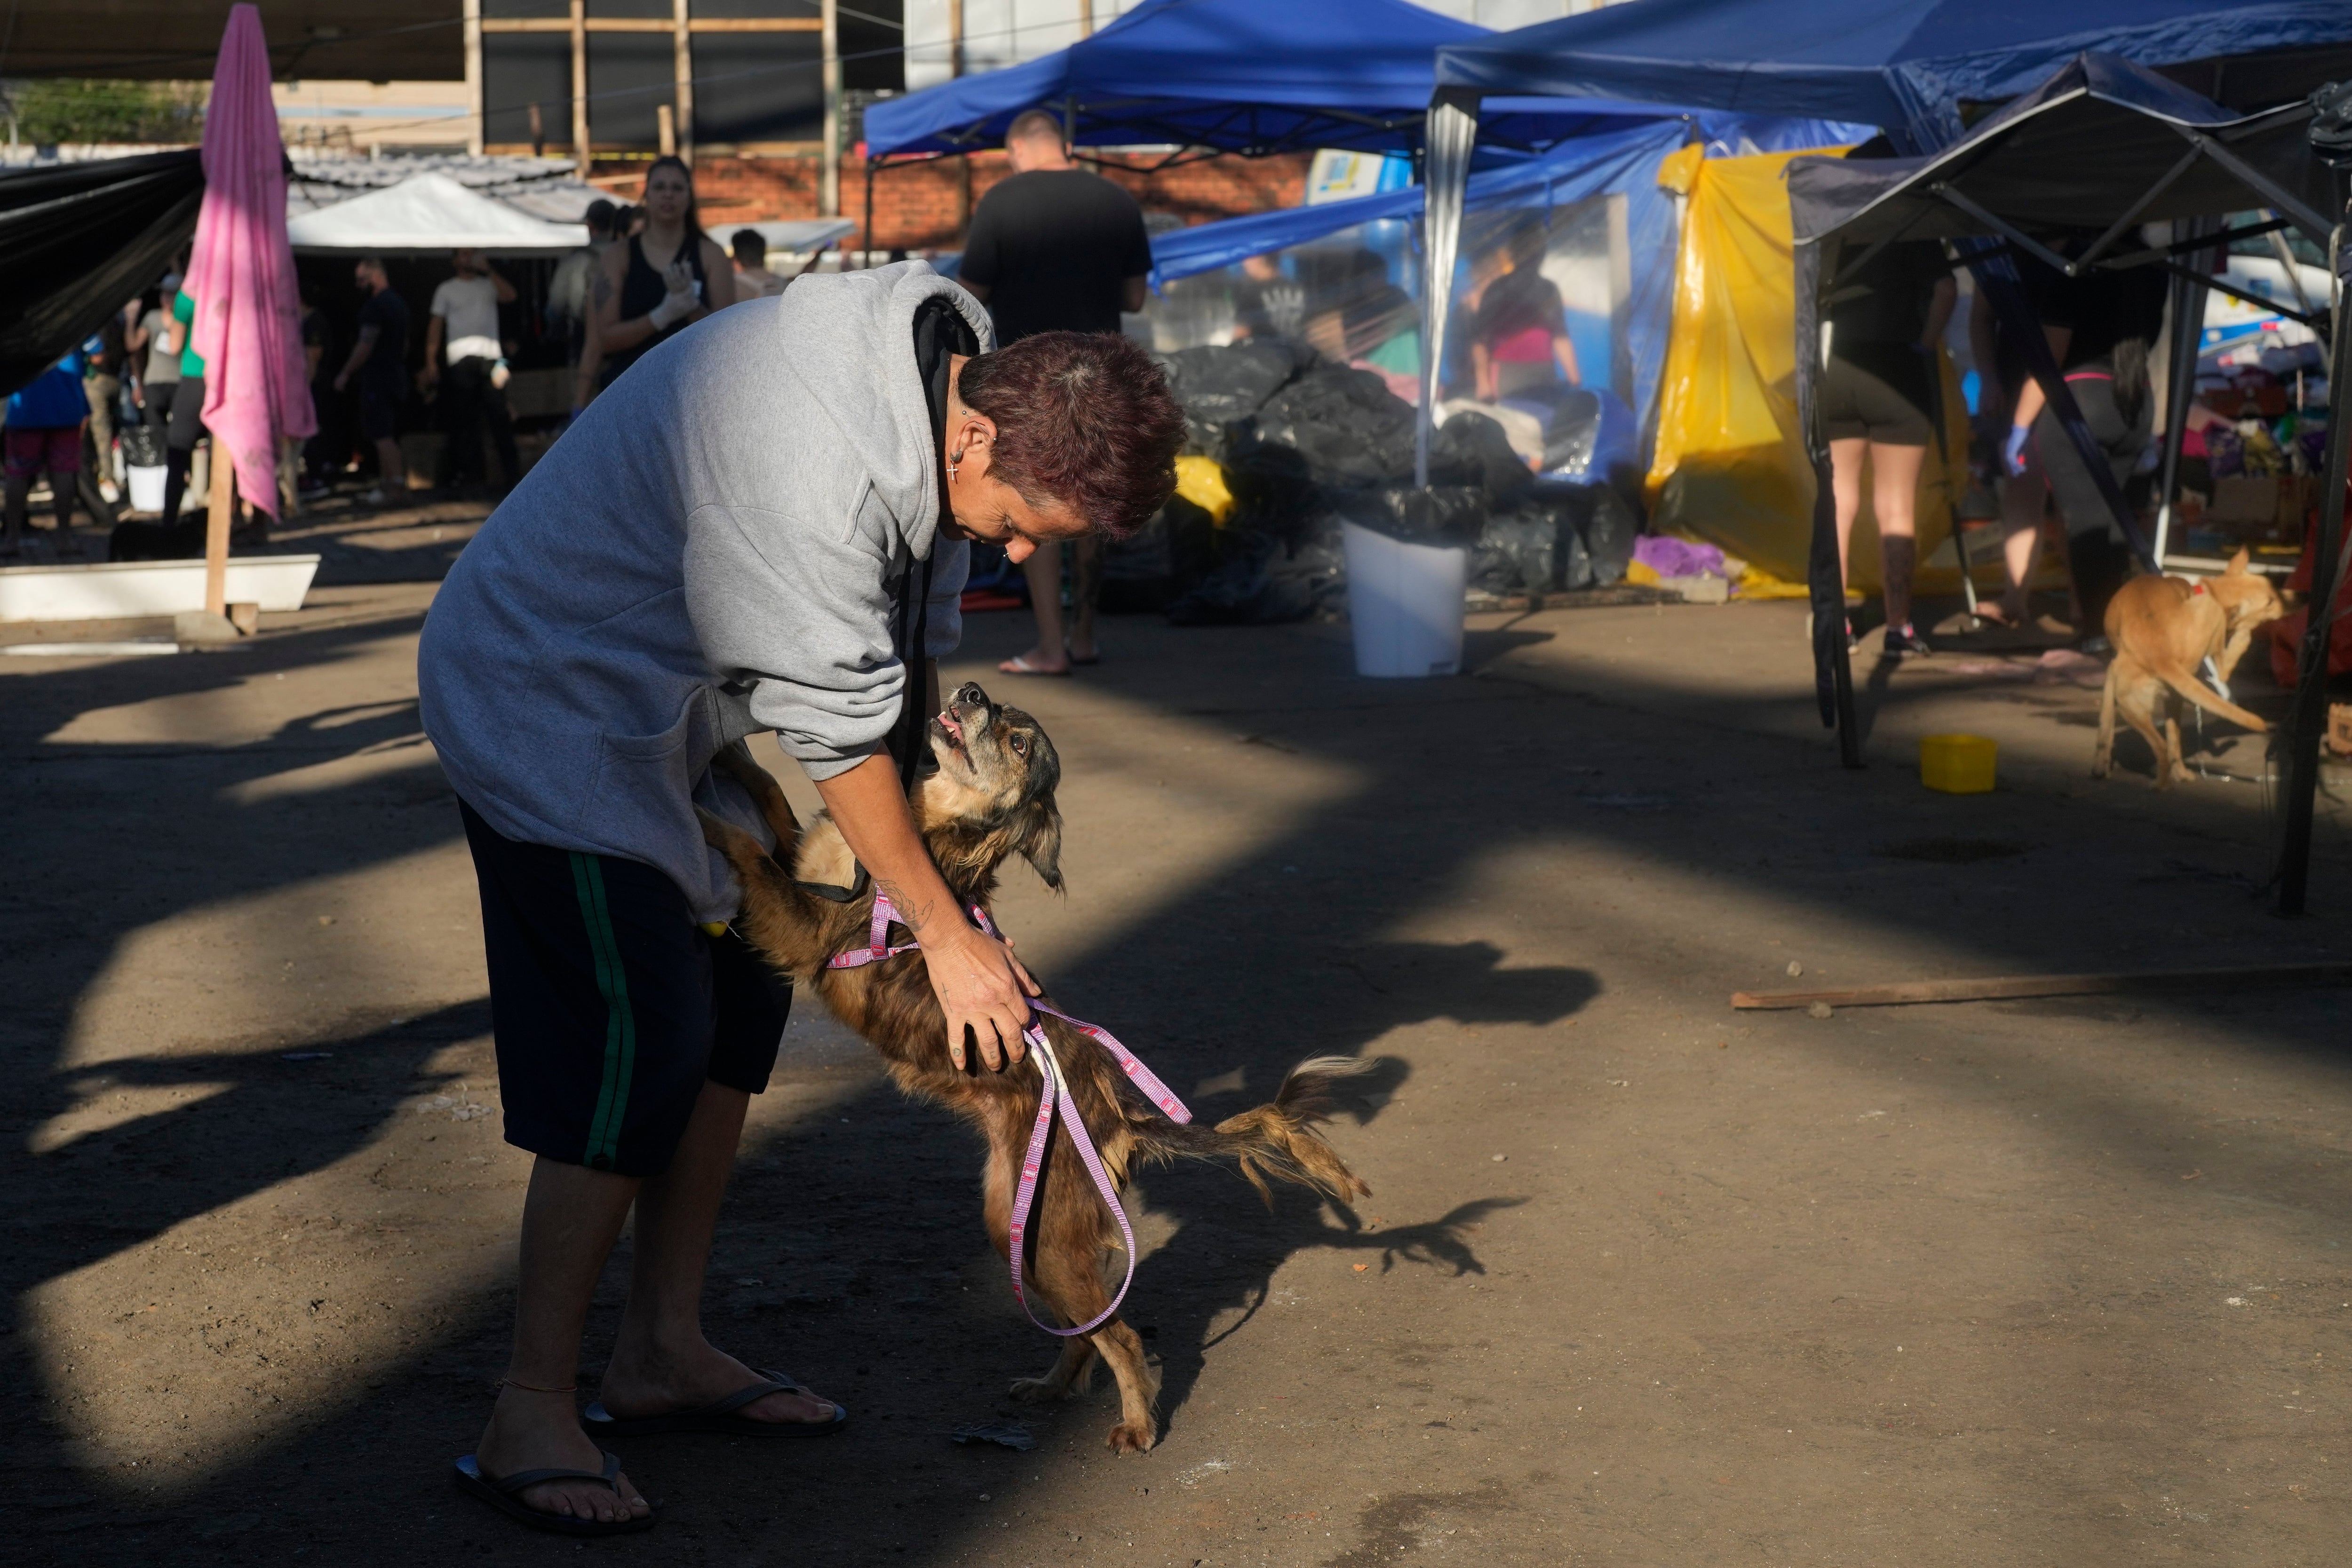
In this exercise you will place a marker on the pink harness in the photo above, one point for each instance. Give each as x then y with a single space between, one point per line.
1055 1087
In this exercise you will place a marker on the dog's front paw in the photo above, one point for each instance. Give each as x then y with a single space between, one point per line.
1038 1390
1132 1438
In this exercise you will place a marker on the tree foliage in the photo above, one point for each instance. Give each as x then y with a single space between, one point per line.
86 110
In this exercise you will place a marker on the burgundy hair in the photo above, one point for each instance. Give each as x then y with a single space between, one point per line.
1085 419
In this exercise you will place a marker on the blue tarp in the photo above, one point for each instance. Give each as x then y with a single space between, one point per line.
1620 163
1241 75
1903 65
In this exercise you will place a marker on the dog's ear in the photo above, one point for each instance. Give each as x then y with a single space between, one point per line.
1040 843
2237 563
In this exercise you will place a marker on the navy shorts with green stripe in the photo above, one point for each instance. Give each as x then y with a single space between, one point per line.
610 1005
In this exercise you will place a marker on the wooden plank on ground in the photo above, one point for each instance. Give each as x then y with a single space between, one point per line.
2006 987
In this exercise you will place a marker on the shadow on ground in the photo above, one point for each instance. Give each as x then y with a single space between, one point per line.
852 1239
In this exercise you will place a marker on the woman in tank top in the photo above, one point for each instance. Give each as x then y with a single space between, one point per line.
649 289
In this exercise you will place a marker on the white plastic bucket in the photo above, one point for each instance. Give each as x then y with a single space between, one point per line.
146 487
1405 603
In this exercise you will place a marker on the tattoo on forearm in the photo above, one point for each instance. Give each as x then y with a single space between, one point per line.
603 291
916 915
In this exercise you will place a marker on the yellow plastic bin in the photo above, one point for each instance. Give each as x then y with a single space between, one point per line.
1958 764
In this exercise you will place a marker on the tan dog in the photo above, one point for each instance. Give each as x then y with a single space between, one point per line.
2163 628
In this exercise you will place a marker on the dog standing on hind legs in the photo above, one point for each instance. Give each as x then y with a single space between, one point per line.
2163 629
987 796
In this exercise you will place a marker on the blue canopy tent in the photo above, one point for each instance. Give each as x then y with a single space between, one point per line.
1231 76
1620 163
1909 66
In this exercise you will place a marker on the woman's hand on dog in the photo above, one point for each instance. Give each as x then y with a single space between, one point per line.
981 987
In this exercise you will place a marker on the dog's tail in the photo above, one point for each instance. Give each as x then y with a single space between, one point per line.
2191 689
1276 1139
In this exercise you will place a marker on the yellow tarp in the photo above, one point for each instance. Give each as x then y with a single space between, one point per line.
1730 465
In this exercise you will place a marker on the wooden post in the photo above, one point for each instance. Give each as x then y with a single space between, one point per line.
473 13
829 193
955 38
1086 19
665 130
580 84
217 507
685 65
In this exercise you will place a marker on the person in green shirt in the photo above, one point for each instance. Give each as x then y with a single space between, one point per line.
187 418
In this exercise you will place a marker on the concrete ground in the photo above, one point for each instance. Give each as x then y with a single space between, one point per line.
1644 1280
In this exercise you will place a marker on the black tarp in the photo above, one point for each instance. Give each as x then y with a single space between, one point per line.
2102 141
78 240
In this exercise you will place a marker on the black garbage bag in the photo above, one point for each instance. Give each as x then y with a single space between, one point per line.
183 540
140 449
1471 449
1351 431
1593 532
1218 386
1266 580
1537 546
1161 560
1515 550
1447 514
1609 533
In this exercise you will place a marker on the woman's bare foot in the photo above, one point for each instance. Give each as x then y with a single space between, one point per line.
1037 661
2001 613
660 1383
530 1430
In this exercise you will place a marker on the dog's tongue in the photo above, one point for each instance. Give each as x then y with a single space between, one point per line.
948 721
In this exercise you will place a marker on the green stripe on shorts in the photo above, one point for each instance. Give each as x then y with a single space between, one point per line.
620 1023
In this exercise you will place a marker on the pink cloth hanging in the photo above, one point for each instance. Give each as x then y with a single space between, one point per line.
248 324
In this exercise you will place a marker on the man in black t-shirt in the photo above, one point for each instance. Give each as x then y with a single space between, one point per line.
1056 250
379 363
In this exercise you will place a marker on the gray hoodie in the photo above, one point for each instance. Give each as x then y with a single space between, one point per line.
713 549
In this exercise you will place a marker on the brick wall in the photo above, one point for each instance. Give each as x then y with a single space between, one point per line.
921 206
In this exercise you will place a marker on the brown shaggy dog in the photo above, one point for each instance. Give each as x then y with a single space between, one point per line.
991 797
2163 628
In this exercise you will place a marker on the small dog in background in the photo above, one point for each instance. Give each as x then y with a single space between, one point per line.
990 798
2164 629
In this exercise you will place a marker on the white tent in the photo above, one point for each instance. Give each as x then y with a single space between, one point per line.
427 213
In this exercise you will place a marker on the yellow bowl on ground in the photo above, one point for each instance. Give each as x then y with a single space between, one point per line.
1958 764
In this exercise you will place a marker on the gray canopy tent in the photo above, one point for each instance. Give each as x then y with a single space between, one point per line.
2102 148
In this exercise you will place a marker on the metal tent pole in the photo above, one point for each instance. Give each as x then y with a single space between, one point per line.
1824 572
2179 391
1452 131
2311 676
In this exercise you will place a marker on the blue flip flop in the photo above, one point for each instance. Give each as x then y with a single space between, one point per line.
720 1416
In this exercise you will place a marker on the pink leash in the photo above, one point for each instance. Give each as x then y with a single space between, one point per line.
1055 1087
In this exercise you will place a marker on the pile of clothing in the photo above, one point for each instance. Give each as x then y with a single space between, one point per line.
1306 444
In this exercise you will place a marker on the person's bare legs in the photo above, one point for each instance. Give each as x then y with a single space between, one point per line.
1893 498
1845 489
661 1361
1043 570
571 1218
2020 540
